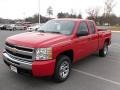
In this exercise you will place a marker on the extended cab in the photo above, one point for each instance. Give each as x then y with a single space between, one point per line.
54 47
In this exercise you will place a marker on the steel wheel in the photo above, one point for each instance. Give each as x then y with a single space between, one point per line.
105 49
64 69
103 52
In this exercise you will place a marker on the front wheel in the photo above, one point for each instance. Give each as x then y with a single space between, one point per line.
63 68
103 52
24 28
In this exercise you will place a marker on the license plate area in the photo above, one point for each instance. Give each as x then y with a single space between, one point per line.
13 68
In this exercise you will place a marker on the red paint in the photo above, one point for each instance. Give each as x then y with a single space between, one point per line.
81 46
43 68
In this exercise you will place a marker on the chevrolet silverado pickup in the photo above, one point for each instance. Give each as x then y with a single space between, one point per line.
52 49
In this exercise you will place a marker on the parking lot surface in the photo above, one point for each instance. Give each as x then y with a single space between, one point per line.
91 73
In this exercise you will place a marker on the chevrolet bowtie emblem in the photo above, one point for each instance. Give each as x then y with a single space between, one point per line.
14 50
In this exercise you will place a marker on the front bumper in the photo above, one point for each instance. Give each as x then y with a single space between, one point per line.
17 63
38 68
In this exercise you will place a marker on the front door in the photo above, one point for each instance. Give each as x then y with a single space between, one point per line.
82 43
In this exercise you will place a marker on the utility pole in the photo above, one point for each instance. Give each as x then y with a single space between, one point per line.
39 10
24 16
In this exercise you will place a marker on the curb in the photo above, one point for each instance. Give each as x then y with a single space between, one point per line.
115 31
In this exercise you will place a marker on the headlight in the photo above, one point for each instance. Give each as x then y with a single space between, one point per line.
44 53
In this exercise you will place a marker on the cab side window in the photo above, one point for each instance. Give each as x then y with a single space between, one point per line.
82 27
92 27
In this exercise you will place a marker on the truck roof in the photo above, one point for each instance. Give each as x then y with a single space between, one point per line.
74 19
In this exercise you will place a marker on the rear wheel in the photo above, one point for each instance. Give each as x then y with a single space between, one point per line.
14 29
63 68
103 52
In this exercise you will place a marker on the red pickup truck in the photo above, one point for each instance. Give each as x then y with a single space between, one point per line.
54 47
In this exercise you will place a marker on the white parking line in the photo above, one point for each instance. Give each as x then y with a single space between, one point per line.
98 77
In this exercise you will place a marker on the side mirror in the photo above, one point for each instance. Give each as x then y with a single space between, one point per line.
82 33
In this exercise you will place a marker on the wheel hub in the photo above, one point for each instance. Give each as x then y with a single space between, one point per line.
64 69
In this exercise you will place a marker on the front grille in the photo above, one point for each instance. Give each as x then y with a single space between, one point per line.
19 53
21 48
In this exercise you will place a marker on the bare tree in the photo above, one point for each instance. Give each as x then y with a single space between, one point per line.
50 11
79 15
93 13
108 9
72 12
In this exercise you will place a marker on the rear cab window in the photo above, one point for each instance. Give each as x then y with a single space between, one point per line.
92 27
82 27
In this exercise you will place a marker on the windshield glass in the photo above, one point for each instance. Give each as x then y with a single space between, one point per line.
58 26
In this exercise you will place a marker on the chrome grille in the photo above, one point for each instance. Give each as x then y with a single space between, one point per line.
19 52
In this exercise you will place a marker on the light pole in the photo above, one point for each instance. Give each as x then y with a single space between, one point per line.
39 10
24 14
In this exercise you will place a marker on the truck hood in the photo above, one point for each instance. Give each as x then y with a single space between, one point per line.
36 39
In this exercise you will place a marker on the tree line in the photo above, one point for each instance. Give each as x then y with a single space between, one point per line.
107 17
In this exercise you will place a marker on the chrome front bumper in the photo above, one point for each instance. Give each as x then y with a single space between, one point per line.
17 63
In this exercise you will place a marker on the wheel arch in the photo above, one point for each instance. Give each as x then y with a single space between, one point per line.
68 53
107 40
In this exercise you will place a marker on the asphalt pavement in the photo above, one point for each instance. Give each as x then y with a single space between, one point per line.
91 73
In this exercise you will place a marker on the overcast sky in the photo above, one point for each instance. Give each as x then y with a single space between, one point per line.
14 9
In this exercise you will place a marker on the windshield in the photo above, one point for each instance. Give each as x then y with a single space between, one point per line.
58 26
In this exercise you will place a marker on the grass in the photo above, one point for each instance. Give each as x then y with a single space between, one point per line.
115 28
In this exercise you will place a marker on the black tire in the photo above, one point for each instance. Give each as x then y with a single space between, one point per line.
103 52
36 29
14 29
58 73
